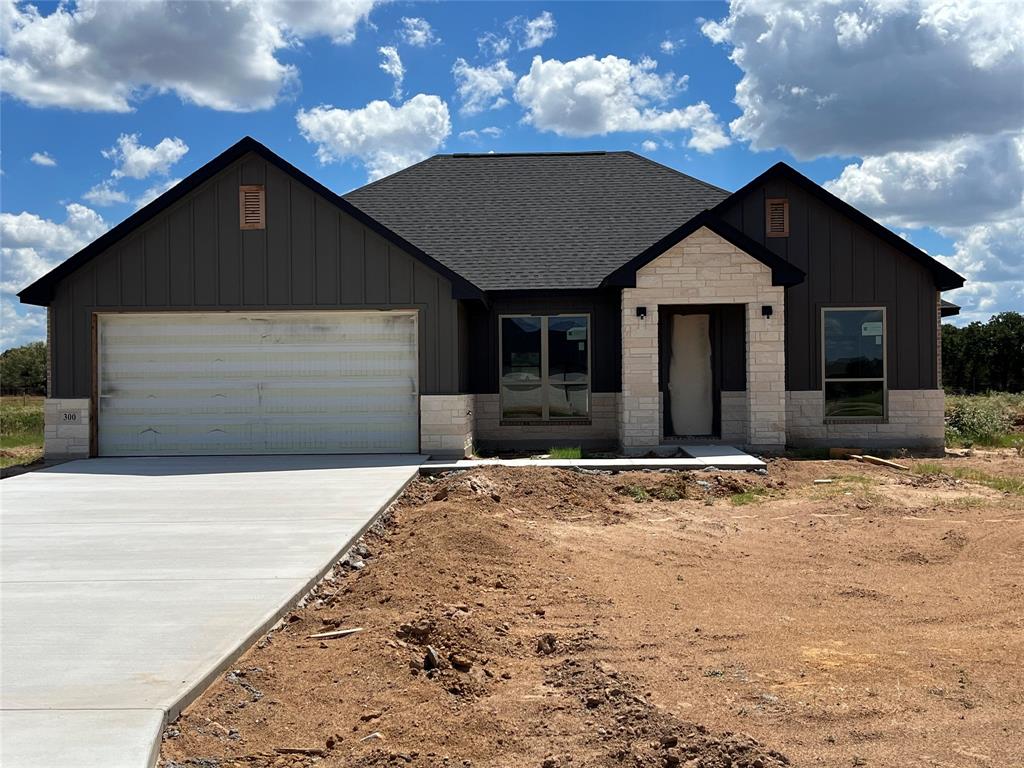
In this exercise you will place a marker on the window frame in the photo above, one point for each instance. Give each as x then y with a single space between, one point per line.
884 379
545 417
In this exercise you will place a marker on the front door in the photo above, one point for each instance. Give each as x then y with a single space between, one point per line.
690 397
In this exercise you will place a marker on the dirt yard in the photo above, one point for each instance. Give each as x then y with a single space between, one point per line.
531 617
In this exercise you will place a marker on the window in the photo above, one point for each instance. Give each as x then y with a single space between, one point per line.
853 357
251 207
776 217
545 367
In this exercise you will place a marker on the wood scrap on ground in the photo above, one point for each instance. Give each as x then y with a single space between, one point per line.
334 633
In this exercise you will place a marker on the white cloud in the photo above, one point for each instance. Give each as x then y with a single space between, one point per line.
105 193
383 137
105 56
43 158
591 96
153 192
493 45
649 145
868 77
669 45
137 161
392 64
418 32
491 131
990 256
481 88
966 181
533 33
32 246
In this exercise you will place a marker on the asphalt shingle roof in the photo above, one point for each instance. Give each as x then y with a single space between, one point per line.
535 221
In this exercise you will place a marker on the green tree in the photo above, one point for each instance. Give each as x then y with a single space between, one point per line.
23 369
984 356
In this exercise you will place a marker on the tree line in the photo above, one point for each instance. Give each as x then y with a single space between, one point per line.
983 357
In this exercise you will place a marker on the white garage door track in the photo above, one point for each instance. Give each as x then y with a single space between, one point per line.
129 584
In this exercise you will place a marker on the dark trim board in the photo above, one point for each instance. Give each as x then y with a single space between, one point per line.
41 291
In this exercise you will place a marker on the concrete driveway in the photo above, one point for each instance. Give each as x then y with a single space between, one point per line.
129 584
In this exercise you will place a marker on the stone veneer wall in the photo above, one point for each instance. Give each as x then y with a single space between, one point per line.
915 421
446 425
65 428
602 431
735 413
704 269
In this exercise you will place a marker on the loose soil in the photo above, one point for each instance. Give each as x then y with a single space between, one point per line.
539 617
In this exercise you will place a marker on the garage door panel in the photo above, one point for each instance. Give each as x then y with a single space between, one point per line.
189 383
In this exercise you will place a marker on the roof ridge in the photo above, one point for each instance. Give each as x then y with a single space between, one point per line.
656 164
532 154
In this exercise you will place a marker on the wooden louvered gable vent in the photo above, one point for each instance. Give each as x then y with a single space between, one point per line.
776 217
252 207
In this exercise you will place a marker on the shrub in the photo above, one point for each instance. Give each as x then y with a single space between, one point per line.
982 420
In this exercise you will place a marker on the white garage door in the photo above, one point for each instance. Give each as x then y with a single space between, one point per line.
273 382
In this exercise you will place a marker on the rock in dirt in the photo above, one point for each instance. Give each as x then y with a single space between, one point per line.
546 643
431 660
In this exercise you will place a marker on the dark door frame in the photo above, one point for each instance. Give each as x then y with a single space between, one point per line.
665 315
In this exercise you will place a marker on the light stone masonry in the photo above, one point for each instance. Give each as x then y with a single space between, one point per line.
65 428
446 425
704 269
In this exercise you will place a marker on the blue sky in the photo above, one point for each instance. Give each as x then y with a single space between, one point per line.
104 105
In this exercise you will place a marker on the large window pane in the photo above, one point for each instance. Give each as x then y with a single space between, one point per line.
521 393
854 344
854 399
568 367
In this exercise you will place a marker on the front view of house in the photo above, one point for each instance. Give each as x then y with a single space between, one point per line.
491 301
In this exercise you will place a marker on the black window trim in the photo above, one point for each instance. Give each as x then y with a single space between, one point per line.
884 418
546 417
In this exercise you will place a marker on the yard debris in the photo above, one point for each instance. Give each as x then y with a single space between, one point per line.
880 462
311 751
334 634
823 481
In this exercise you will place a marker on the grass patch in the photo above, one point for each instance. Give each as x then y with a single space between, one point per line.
21 430
565 452
749 497
1014 485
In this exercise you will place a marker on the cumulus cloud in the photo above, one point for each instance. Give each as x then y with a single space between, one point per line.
482 88
137 161
968 180
105 56
533 33
590 96
649 145
43 159
669 46
868 77
105 193
32 246
392 64
990 256
418 32
383 137
490 131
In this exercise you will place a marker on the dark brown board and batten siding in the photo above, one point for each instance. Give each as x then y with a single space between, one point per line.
195 257
845 265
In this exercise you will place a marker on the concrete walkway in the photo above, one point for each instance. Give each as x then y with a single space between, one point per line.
129 584
698 457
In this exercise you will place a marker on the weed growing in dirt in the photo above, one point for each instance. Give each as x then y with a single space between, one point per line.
984 419
1014 485
565 452
748 497
638 493
21 430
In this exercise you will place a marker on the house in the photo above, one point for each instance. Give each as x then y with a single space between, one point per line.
499 301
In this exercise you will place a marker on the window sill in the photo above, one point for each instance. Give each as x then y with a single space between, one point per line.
542 423
865 420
